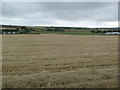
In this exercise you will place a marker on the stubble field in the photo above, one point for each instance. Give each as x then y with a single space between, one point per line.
58 61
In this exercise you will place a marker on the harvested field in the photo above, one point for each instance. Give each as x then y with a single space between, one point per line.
58 61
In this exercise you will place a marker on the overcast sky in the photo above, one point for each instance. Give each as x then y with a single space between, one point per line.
80 14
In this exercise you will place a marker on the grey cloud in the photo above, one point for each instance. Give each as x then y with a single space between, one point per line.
53 12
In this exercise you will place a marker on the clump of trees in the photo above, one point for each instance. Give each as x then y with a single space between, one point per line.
24 30
59 29
104 31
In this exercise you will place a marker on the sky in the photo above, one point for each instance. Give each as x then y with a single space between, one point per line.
74 14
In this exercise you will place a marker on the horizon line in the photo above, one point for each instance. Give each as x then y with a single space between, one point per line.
59 26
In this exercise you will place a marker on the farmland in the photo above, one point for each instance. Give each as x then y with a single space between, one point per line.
58 61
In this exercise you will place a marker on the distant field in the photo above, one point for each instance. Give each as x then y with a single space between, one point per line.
83 33
67 33
58 61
